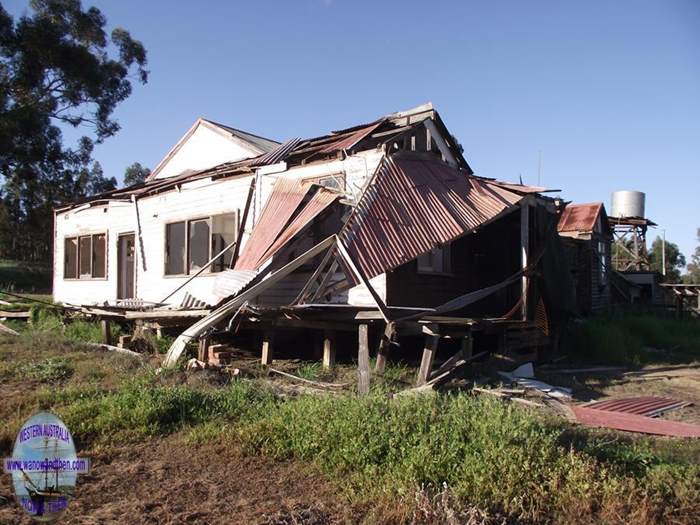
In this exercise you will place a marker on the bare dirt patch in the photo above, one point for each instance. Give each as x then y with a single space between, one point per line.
166 481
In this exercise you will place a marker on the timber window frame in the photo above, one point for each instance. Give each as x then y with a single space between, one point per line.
184 252
85 257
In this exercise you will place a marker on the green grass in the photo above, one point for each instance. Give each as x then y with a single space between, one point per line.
17 276
638 340
490 454
499 457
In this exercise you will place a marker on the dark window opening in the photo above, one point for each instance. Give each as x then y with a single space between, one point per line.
224 229
199 244
175 244
99 255
85 257
70 266
191 244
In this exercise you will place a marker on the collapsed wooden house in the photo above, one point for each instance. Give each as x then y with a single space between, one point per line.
382 226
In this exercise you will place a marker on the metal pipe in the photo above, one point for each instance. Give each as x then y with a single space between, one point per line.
663 253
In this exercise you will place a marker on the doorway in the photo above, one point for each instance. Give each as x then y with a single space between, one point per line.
126 267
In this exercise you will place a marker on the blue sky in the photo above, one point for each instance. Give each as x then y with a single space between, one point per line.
609 91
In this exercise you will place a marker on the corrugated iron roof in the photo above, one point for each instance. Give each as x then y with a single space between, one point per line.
634 423
346 141
415 203
286 197
579 217
650 406
276 155
282 218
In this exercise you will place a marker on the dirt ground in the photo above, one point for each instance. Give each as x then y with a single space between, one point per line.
166 481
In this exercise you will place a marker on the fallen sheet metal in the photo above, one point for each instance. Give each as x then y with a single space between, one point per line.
650 406
558 392
634 423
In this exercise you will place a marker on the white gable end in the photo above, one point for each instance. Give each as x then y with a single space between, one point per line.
204 148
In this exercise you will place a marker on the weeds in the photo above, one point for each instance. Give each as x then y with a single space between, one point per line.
49 371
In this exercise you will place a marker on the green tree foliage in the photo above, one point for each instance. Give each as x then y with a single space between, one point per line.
135 174
693 275
675 260
57 68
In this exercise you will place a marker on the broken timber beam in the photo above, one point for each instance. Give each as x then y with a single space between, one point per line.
384 346
426 365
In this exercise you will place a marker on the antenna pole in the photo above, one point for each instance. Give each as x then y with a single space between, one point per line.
663 253
539 168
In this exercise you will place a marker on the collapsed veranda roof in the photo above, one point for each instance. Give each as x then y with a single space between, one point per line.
415 203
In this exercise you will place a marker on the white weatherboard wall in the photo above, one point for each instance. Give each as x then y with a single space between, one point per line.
195 200
203 149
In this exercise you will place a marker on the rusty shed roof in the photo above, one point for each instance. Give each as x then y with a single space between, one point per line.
415 203
580 217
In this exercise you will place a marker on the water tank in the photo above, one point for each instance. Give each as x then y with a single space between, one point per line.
627 204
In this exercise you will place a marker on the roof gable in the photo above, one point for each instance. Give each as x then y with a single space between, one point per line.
208 144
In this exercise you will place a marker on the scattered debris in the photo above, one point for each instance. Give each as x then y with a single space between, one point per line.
634 423
524 376
110 348
504 394
650 406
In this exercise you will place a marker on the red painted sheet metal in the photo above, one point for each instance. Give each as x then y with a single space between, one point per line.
318 202
414 204
579 217
645 405
350 140
286 197
634 423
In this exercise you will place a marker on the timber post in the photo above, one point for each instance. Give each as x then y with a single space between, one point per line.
467 346
106 332
432 339
268 347
363 360
383 349
329 344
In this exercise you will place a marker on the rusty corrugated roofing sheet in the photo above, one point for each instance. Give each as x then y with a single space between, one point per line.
278 154
415 203
287 195
634 422
579 217
353 138
283 217
650 406
318 202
